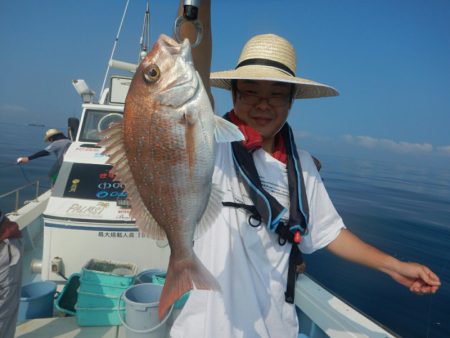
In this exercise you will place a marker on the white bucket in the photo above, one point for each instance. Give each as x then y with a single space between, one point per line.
141 311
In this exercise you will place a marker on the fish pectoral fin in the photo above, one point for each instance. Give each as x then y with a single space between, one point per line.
226 131
212 211
113 141
144 219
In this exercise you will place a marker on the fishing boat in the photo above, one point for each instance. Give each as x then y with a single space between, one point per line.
86 215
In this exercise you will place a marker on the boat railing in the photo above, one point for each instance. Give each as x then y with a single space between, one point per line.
17 191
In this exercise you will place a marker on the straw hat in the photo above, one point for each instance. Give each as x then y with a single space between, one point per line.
270 57
51 132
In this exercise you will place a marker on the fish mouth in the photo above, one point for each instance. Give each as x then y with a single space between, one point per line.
186 87
182 49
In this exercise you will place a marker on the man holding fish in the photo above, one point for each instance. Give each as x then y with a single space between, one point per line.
247 258
235 199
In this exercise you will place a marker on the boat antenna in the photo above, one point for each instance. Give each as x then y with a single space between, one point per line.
115 45
145 37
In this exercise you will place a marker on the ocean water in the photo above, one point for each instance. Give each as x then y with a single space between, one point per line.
401 208
404 210
18 140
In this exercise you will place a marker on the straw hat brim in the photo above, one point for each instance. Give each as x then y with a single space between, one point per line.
304 88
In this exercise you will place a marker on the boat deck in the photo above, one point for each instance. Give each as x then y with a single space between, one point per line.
66 327
322 315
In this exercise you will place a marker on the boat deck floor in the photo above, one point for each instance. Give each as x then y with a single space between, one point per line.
65 327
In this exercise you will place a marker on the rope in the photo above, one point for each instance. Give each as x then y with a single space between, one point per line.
24 174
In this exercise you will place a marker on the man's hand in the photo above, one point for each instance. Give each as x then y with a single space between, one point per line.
23 160
418 278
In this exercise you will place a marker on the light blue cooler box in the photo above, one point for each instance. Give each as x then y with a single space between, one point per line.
109 273
101 284
98 316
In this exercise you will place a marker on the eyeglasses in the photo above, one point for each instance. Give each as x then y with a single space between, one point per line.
274 101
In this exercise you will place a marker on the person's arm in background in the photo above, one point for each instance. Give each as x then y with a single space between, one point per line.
418 278
26 159
201 54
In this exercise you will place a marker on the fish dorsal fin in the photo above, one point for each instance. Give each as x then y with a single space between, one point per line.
212 211
226 131
114 147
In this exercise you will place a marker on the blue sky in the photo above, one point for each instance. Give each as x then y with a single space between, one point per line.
390 60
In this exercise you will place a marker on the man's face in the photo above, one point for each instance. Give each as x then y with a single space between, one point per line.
263 105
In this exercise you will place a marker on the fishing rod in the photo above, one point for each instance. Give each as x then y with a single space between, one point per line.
190 13
20 167
145 36
430 304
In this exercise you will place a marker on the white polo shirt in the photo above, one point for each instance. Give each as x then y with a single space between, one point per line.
249 264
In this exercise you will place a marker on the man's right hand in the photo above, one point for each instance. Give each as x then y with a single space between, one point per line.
21 160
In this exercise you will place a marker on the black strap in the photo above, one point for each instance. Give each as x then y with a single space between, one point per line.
265 62
295 259
246 163
284 235
266 208
254 220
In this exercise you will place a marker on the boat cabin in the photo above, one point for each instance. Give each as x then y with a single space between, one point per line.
88 214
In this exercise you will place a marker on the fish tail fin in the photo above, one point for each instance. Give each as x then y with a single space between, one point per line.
226 131
182 276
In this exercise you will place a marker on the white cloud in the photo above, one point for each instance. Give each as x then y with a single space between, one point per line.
386 144
444 149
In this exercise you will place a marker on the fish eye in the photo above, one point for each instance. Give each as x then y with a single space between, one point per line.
152 73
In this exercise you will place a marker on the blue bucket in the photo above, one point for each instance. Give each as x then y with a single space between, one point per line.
141 304
146 276
36 300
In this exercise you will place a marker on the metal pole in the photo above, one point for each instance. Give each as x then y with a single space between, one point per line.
37 189
17 202
114 46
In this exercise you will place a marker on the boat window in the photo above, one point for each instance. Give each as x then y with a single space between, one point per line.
92 181
96 121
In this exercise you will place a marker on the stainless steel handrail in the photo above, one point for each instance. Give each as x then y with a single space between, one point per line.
17 192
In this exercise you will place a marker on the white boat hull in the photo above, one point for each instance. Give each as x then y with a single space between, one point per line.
75 243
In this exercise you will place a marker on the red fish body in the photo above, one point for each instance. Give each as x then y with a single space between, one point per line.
163 152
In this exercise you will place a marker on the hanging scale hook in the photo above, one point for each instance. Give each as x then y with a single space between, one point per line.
190 14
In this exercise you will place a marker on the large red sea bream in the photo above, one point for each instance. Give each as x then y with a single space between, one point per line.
163 152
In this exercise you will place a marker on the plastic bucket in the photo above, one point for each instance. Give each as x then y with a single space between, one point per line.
146 276
36 300
141 312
